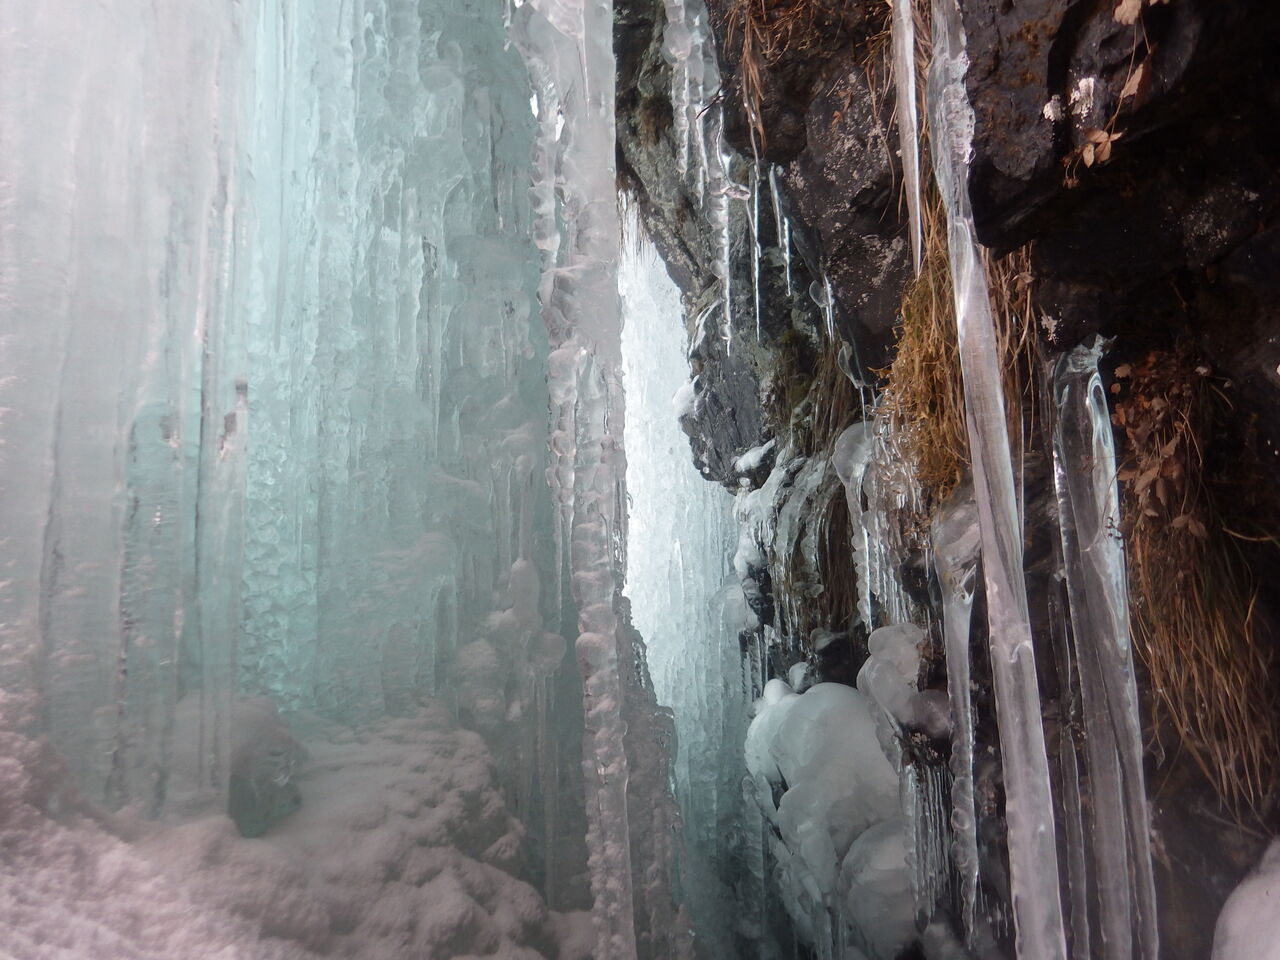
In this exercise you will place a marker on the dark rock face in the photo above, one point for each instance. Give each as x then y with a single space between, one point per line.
827 105
1194 170
844 187
726 419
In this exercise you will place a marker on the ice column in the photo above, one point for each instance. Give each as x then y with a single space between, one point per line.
568 45
122 393
1033 858
1088 513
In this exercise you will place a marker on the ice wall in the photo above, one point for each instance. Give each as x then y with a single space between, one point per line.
568 49
275 404
397 403
123 380
684 599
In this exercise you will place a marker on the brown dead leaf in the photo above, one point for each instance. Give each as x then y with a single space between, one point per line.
1127 11
1130 88
1144 481
1124 370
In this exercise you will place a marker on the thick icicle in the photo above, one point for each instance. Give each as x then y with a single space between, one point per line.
1033 856
1088 512
956 550
904 78
568 44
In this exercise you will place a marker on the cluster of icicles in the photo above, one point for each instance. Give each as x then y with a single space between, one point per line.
979 533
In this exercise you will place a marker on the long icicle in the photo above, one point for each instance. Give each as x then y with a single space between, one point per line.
567 45
904 75
1033 856
956 551
1088 515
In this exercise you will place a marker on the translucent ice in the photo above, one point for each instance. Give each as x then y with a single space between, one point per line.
1033 857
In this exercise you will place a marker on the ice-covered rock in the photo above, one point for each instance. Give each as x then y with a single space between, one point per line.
820 750
1249 926
876 889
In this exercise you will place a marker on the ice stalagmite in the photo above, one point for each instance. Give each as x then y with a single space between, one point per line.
1088 512
1033 858
568 45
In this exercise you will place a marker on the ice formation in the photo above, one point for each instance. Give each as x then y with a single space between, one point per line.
1033 856
685 601
1249 925
904 80
1089 519
281 319
956 552
838 848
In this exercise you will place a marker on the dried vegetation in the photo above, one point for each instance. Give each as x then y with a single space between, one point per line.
1193 590
765 31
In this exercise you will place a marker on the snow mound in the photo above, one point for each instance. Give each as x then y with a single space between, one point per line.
1249 925
403 846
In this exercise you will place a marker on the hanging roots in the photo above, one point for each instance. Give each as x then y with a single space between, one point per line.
1193 593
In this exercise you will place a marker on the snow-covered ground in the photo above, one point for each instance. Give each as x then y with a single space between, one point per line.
403 847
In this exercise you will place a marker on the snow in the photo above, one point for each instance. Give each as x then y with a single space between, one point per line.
402 840
837 819
684 399
1249 926
754 457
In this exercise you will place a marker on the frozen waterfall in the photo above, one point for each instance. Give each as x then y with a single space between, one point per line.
283 323
360 592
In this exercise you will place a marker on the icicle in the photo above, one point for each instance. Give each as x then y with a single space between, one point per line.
581 309
678 42
1088 514
783 226
851 456
956 548
1033 857
904 75
755 239
719 193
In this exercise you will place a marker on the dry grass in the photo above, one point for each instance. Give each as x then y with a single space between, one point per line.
924 393
764 31
1193 593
